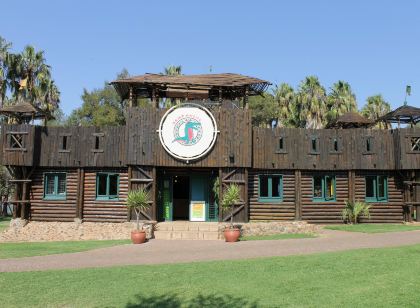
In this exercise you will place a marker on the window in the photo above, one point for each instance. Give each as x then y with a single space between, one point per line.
324 188
281 143
314 145
376 188
98 142
369 144
16 141
55 186
335 145
64 143
107 186
270 188
415 144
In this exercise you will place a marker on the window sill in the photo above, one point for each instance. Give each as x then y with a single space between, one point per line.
375 201
270 200
322 200
107 199
55 198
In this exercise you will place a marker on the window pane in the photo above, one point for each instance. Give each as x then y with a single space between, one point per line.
381 187
314 145
101 183
329 188
264 186
281 144
49 184
318 187
61 189
275 187
370 187
113 184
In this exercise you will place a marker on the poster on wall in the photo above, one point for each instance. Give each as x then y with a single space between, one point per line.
198 211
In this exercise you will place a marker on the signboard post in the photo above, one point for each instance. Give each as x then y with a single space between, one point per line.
198 211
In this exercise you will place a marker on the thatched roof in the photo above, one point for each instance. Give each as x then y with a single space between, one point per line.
404 114
350 120
24 110
203 86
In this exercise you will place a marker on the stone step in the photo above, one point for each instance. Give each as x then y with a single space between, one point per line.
186 235
187 226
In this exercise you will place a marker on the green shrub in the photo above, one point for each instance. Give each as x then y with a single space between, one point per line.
139 201
354 210
231 196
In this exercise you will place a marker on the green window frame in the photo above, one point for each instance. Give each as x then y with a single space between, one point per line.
270 188
107 186
376 188
324 188
55 186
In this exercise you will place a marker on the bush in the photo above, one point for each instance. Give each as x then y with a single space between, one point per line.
354 210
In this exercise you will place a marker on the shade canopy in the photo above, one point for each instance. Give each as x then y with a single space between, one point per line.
25 111
404 114
205 86
350 120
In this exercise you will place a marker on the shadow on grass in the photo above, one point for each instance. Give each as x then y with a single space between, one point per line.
174 301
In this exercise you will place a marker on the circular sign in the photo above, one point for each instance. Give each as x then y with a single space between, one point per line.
188 131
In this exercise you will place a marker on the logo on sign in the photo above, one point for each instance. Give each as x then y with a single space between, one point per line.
188 131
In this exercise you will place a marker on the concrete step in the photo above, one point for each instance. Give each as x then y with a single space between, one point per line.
186 235
187 226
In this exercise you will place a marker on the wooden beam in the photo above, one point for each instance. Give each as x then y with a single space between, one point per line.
246 195
130 176
80 192
220 194
298 198
154 193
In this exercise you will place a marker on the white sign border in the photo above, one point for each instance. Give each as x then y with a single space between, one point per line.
215 132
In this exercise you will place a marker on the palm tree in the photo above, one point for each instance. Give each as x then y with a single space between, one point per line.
284 96
172 70
341 99
4 53
375 108
311 103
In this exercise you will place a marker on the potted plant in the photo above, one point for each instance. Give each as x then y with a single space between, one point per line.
231 197
139 201
354 210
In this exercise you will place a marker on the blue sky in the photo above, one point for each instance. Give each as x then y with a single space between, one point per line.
374 45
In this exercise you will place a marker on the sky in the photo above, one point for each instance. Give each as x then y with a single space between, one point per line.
373 45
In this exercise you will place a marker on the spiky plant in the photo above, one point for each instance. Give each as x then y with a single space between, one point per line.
354 210
231 197
139 201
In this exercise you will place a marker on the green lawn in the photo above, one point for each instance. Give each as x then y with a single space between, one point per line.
374 228
277 237
4 223
359 278
18 250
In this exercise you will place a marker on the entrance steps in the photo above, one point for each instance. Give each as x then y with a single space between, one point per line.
187 230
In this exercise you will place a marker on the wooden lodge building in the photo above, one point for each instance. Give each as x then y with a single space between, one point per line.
181 154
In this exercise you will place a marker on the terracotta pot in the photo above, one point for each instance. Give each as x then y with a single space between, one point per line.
232 235
138 236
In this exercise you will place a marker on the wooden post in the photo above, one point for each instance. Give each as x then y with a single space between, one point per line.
220 194
154 192
246 195
298 199
16 197
130 97
351 188
130 176
24 197
246 98
80 192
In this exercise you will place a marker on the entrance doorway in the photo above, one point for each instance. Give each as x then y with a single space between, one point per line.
181 197
187 196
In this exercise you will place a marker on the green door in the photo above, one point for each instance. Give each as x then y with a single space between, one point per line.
167 205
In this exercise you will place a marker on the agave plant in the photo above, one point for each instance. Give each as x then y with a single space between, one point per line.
231 197
139 201
354 210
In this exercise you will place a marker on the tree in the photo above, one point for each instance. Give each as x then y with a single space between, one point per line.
375 108
311 105
284 97
341 99
4 53
172 70
264 109
100 107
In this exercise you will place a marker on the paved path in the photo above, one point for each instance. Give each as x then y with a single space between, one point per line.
161 251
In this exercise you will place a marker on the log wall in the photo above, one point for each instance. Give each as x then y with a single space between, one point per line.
53 210
273 211
104 210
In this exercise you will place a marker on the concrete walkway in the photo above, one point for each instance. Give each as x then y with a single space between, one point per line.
174 251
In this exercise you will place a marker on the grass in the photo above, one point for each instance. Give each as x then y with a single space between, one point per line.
4 223
277 237
18 250
374 228
359 278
